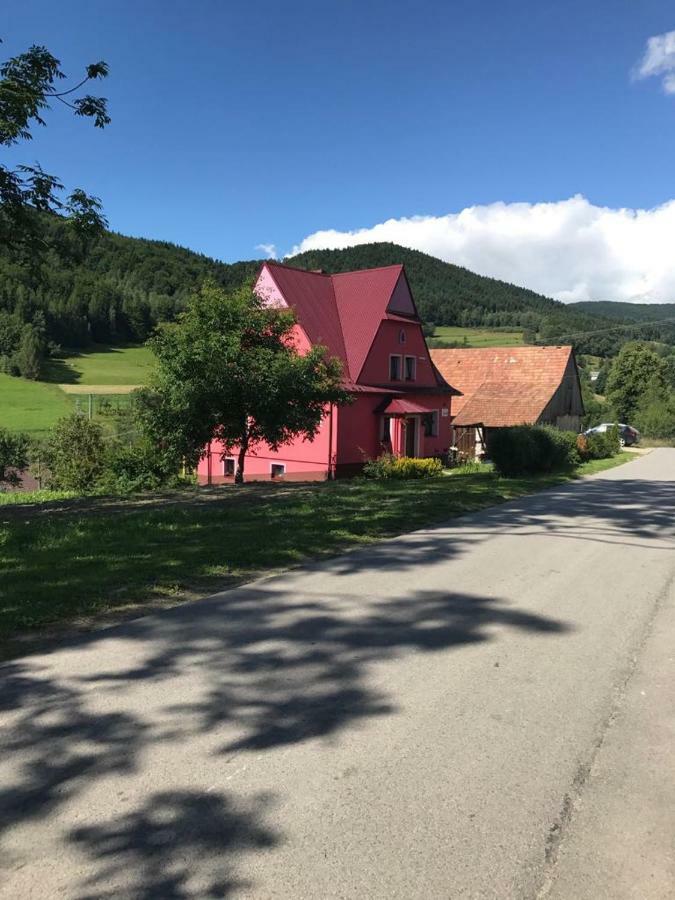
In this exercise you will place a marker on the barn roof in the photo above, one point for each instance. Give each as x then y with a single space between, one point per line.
502 385
342 312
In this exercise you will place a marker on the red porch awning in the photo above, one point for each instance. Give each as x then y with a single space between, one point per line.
401 407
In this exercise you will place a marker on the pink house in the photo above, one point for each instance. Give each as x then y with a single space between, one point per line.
401 403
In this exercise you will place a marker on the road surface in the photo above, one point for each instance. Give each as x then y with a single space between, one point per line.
480 710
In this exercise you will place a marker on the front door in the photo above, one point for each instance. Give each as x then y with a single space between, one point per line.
410 437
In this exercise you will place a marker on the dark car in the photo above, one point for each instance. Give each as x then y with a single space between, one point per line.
627 434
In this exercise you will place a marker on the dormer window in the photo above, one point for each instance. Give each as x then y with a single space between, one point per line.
401 336
394 368
410 368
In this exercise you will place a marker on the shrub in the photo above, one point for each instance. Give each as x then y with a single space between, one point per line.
75 454
390 466
528 449
135 468
14 449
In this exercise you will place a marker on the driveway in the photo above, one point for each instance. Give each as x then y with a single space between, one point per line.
479 710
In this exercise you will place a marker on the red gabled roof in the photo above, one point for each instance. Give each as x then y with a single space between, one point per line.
362 299
502 385
343 311
312 296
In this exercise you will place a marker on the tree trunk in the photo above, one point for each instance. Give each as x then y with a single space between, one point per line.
239 474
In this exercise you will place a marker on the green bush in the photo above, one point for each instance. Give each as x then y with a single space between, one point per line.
528 449
14 450
75 454
390 466
135 468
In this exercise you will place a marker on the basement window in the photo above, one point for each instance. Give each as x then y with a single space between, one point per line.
277 470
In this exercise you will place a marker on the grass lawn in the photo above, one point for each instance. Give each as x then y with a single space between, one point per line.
30 406
74 564
102 365
477 337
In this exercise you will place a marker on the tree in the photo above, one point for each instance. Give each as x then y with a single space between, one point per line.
655 414
75 454
227 370
14 450
28 85
634 369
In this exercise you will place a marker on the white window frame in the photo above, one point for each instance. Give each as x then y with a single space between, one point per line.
414 368
400 366
277 465
233 460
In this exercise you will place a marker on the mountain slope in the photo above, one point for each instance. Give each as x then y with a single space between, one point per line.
451 295
627 312
122 287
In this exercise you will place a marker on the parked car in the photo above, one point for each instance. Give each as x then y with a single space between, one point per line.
627 434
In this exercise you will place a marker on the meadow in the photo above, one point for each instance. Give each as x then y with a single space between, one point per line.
475 337
34 406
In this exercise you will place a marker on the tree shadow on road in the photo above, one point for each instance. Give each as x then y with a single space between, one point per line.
255 669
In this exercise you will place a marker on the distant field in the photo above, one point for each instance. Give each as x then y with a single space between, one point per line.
34 406
121 366
30 406
477 337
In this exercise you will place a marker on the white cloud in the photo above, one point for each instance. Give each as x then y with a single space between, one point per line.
569 250
659 59
270 250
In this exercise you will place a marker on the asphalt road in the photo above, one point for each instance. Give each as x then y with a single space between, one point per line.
480 710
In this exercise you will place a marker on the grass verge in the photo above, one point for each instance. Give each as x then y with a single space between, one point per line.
78 564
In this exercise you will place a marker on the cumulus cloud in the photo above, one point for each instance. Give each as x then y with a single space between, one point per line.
270 250
569 250
659 60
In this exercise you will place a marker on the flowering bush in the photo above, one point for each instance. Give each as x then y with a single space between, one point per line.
390 466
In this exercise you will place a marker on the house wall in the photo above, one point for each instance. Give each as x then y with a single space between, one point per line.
566 408
387 342
302 459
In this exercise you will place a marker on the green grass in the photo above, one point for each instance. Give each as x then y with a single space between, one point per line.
102 365
34 406
79 563
30 406
476 337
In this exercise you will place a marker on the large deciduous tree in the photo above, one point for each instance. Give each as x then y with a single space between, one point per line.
635 368
29 84
228 370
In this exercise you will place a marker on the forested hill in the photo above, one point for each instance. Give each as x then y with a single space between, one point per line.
628 312
117 291
447 294
121 287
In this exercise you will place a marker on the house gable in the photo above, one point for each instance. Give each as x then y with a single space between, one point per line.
401 302
397 337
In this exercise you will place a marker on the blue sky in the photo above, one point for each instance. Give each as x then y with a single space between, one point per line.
237 124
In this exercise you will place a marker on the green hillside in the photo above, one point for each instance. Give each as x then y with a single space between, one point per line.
116 292
629 312
451 295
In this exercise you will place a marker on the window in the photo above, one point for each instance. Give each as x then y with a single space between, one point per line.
431 424
228 467
410 368
394 368
385 433
401 336
277 470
